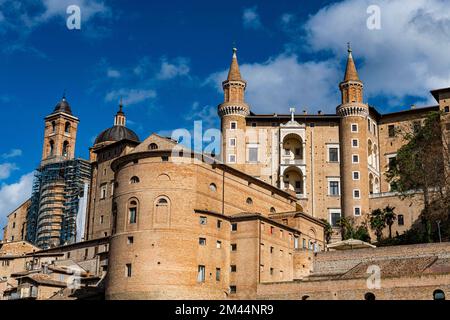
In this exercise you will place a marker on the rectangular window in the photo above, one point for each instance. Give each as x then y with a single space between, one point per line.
232 142
234 227
233 247
165 158
128 270
233 268
355 158
354 127
271 249
334 188
271 271
355 175
201 274
253 154
253 124
101 219
218 244
335 216
392 162
304 243
357 211
233 289
233 125
296 243
401 220
202 241
232 158
281 234
356 194
217 274
446 109
203 220
271 230
391 131
333 154
219 224
355 143
103 191
130 240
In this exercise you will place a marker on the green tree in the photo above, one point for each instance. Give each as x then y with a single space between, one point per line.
389 218
351 231
328 230
420 166
377 223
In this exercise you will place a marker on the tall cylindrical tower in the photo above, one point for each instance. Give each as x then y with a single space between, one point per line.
232 113
353 144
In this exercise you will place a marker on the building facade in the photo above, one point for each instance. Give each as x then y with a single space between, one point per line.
335 164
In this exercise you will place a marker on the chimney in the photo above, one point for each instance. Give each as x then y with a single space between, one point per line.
305 112
320 112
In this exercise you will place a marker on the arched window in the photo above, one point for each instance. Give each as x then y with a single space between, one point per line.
369 296
153 146
134 180
438 295
249 201
52 148
213 187
53 126
162 211
67 127
272 210
65 151
133 211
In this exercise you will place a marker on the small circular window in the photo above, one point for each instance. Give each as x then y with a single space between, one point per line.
213 187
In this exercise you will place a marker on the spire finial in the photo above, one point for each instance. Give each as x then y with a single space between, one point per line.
234 51
64 95
292 111
349 47
120 104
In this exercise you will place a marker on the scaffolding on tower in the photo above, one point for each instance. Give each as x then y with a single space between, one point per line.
59 190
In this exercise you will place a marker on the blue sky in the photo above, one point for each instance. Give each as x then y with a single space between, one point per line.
167 58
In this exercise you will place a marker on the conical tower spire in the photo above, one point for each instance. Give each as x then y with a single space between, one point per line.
234 74
350 72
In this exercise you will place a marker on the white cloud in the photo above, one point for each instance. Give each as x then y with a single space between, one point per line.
111 73
406 57
12 154
89 8
283 81
6 169
207 114
251 19
179 67
130 96
12 195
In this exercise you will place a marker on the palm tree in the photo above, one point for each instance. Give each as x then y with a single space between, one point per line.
377 223
389 218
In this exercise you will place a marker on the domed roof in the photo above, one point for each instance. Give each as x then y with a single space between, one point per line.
63 106
117 133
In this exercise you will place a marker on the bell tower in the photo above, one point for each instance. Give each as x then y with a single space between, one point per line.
233 112
60 134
